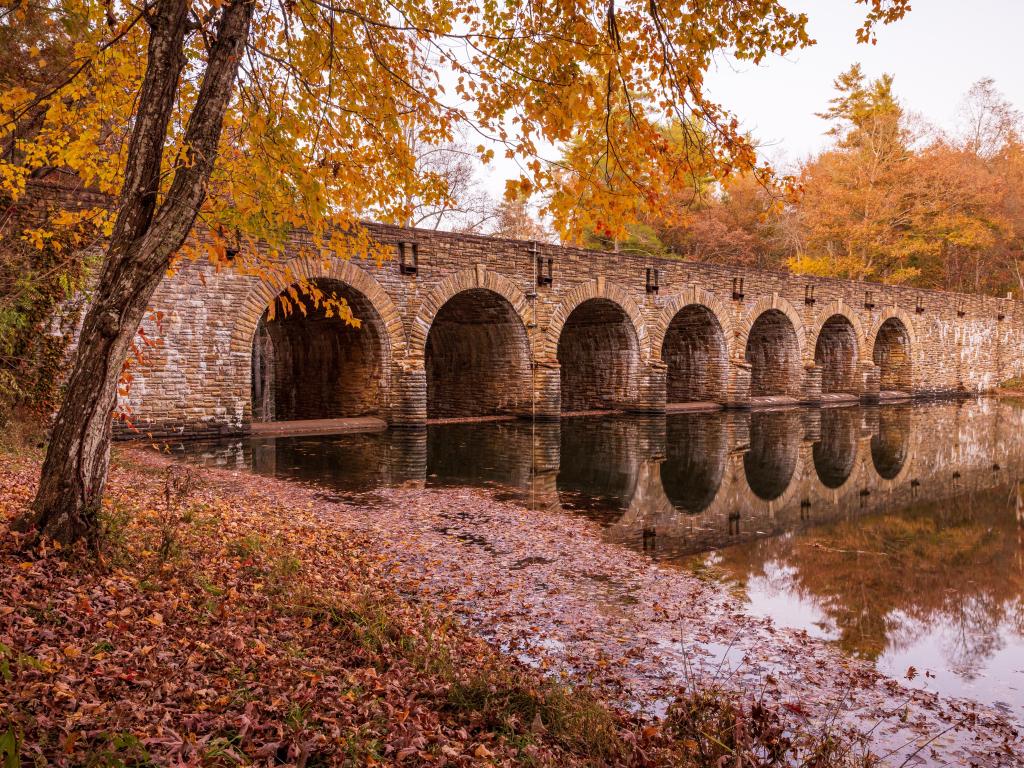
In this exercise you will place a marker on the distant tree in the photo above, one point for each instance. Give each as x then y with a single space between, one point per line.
514 220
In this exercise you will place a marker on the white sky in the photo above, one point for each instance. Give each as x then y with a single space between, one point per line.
936 53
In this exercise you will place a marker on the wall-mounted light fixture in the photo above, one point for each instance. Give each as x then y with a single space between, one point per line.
408 258
652 280
232 248
869 300
809 295
737 289
960 312
919 306
544 277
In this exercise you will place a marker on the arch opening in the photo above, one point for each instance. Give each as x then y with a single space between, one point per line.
599 356
696 356
835 454
774 452
890 446
310 365
891 353
697 453
477 358
773 352
835 352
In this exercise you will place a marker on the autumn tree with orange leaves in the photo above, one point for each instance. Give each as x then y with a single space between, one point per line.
257 117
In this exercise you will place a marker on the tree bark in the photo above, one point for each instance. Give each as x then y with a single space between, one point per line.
143 242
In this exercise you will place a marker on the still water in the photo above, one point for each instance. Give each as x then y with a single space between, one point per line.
895 532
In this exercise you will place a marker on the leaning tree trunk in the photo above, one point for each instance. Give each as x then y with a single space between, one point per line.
143 241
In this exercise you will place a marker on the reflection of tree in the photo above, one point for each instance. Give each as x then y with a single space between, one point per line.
887 579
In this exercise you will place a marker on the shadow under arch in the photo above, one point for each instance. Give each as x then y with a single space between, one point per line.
771 461
835 453
890 445
892 352
773 351
599 356
308 363
696 356
477 357
696 457
836 352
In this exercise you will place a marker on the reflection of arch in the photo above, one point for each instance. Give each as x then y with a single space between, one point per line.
892 352
599 462
837 354
477 357
251 309
595 289
465 280
599 357
772 341
890 446
695 462
772 461
308 363
695 350
835 454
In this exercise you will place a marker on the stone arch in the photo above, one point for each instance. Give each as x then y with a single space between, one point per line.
477 358
837 348
464 280
308 365
599 358
251 310
772 339
893 343
692 338
595 289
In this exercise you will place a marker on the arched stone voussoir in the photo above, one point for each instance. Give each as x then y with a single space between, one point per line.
478 277
824 314
693 295
595 289
765 304
890 313
264 292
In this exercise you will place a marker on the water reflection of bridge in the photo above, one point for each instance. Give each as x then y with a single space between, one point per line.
686 482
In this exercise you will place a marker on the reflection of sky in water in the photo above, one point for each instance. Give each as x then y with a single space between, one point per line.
896 532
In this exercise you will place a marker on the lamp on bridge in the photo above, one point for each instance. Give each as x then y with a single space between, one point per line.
809 295
869 300
737 289
919 307
233 248
408 258
543 278
652 280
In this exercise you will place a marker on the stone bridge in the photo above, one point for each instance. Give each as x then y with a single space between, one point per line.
466 326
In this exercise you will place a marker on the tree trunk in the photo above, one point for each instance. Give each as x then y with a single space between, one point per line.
143 242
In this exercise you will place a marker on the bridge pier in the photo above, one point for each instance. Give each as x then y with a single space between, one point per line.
547 390
737 391
810 388
870 375
409 404
651 397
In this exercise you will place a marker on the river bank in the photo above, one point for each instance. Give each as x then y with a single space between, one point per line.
239 618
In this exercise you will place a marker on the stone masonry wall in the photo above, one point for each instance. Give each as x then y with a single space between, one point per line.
611 328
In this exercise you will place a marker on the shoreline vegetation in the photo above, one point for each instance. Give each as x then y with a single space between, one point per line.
217 625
